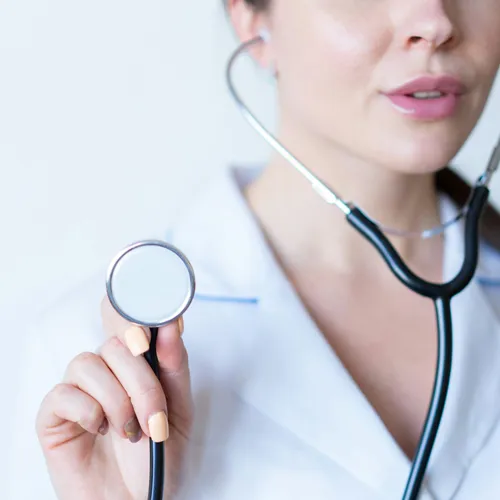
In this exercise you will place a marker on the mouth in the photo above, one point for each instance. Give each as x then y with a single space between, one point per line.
428 98
425 95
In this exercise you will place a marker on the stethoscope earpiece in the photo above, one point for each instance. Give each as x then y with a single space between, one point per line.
265 35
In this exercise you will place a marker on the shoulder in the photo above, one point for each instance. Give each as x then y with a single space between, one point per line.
69 325
50 339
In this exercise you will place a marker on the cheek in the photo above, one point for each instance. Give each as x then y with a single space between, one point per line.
481 26
326 62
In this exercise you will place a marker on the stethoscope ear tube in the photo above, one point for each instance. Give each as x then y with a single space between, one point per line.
363 224
475 211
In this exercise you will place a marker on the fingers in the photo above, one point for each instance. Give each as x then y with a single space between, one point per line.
172 357
116 388
174 369
135 336
89 373
66 403
138 337
175 376
146 394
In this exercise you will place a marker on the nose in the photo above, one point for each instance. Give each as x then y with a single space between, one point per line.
426 24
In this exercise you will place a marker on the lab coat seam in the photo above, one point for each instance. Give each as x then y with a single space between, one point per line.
468 464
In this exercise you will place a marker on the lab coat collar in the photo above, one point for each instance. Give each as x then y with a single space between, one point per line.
297 379
225 245
473 406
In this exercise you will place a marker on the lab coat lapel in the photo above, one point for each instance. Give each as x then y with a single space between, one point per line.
328 411
473 403
300 383
297 381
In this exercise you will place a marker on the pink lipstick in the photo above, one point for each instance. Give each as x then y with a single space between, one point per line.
428 98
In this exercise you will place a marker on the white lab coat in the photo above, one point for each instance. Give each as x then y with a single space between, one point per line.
277 415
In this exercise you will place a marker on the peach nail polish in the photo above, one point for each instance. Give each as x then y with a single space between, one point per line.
158 427
180 322
136 340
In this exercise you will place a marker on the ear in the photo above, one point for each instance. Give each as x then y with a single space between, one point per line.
250 23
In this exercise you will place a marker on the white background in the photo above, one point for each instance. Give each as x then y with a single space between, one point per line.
111 112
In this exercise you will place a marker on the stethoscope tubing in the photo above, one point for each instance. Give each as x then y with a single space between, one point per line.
441 294
156 450
364 225
438 399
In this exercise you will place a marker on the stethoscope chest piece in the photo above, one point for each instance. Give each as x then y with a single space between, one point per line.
151 283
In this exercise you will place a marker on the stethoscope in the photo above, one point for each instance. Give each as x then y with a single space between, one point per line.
151 283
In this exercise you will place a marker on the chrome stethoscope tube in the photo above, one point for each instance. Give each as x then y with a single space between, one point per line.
441 294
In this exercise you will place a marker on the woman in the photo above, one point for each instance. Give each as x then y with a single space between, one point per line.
310 366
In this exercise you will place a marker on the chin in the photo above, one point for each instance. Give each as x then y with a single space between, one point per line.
420 153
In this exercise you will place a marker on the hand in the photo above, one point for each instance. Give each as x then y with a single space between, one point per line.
94 426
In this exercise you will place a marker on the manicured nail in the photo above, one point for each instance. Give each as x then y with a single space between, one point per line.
104 427
180 322
136 340
133 430
158 427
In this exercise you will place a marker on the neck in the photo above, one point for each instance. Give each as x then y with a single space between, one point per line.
303 229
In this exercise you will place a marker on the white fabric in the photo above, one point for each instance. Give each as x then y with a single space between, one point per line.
278 416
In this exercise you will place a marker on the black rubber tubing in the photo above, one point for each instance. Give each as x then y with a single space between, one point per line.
156 450
441 295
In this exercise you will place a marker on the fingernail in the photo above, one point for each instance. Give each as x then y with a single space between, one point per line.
180 322
104 427
158 427
136 340
133 430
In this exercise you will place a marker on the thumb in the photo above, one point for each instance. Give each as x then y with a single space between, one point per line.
175 375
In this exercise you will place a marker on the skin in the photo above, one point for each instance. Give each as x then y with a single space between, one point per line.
333 58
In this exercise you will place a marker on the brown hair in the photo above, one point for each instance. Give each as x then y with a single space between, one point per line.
448 182
258 4
452 184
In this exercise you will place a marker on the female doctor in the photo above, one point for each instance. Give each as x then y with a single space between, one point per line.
310 366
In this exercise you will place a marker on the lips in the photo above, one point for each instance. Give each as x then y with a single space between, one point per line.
444 84
428 98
